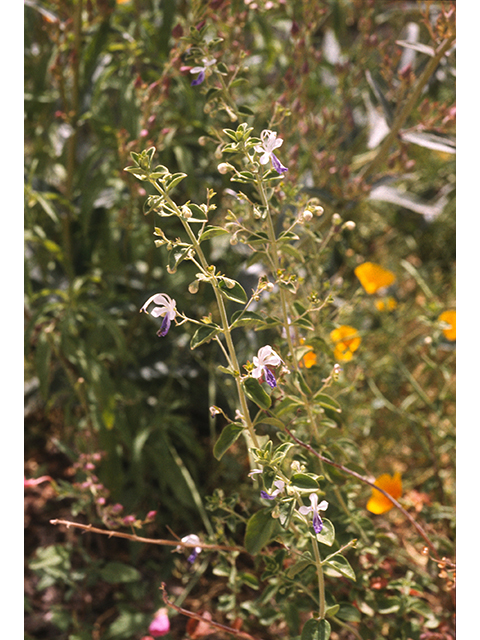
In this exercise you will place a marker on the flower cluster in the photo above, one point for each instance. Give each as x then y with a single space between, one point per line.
346 340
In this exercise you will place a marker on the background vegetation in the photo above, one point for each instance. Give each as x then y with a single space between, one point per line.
116 416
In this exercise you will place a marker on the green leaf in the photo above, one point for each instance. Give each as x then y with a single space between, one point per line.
304 481
430 141
349 613
115 572
332 611
316 630
173 180
298 567
212 232
327 534
242 318
286 405
285 511
260 530
203 334
326 401
245 111
228 436
175 257
257 393
339 566
236 293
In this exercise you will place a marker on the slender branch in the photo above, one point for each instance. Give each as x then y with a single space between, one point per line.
408 106
418 527
200 618
135 538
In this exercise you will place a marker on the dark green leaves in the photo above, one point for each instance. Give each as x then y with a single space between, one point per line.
232 290
228 436
257 393
316 630
204 334
261 528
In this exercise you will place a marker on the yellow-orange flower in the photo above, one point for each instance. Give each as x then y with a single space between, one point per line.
386 304
379 503
309 359
374 277
346 340
449 317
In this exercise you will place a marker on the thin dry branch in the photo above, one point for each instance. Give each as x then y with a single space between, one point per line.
409 517
197 616
135 538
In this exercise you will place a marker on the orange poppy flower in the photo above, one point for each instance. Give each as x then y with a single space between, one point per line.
449 317
386 304
346 340
374 277
379 503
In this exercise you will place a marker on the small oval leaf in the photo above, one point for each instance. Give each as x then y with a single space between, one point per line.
260 530
228 436
257 393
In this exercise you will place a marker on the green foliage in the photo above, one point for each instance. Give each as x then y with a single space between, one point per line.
137 182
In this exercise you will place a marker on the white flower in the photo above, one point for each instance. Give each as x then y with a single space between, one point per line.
165 307
270 142
266 357
315 508
191 539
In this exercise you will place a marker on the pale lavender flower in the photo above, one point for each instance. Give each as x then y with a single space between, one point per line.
270 142
265 358
166 308
207 62
271 496
314 509
192 539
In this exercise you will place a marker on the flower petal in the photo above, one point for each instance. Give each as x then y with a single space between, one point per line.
277 165
270 378
199 79
165 326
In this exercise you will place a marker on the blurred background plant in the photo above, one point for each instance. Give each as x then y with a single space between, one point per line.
120 419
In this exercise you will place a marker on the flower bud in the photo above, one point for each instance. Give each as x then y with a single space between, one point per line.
336 218
350 225
223 168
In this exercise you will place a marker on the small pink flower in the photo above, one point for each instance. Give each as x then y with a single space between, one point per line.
129 520
160 625
151 515
33 482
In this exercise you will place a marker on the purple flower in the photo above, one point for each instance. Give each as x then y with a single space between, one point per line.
266 357
270 142
207 62
315 508
192 539
271 496
166 308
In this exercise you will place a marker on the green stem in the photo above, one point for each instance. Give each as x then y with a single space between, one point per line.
283 297
223 316
321 579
